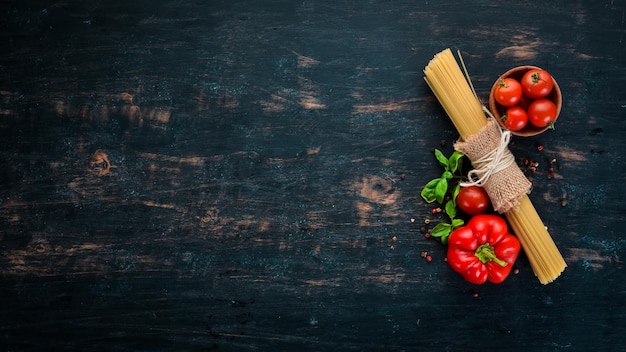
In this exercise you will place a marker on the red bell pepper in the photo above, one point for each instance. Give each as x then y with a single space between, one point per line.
483 249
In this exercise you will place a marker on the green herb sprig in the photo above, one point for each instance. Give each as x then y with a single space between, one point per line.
444 191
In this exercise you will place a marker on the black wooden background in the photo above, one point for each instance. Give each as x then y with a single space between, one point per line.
180 175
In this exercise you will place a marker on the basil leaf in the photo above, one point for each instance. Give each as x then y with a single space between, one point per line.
451 209
457 223
441 229
428 192
455 161
455 192
447 175
440 190
441 158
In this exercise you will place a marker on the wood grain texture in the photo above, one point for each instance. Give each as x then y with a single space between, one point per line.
243 175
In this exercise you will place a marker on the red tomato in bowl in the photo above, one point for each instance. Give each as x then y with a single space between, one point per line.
524 102
537 83
541 113
508 92
515 118
473 200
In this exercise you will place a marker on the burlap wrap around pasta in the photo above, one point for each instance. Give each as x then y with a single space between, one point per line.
506 187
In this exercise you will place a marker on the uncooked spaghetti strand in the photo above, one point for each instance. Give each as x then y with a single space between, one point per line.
535 261
538 260
539 257
529 242
443 75
557 263
530 216
544 256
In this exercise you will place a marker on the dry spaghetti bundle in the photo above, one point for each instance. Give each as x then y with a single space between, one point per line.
485 144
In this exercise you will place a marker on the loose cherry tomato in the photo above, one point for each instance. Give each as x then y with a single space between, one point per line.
508 92
541 113
472 200
537 83
515 118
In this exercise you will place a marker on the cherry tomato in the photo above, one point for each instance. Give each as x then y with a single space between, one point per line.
524 102
541 112
537 83
472 200
508 92
515 118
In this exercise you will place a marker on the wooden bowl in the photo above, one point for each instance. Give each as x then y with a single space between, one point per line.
498 110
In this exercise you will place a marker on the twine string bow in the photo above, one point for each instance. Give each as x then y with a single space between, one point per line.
494 161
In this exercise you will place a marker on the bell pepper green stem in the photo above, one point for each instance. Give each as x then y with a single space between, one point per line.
485 253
